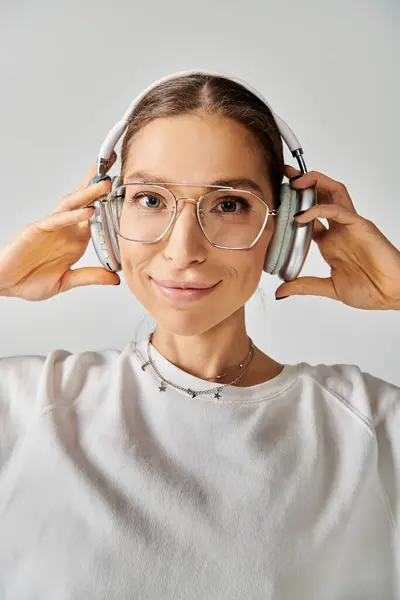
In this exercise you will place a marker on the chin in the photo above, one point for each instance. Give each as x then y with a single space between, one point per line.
183 323
184 320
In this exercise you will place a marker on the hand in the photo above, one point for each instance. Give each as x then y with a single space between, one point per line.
365 266
36 263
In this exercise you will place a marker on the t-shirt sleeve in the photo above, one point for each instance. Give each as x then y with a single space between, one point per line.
384 399
19 387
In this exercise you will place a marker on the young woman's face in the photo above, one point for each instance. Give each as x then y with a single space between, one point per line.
194 148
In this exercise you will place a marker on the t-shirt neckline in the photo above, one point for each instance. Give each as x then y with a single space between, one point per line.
171 372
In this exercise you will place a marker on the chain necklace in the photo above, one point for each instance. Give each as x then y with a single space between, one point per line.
235 369
216 390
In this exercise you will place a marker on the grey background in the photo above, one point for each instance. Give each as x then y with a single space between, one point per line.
68 72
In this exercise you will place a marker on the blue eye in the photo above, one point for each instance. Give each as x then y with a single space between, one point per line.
152 201
234 204
149 200
231 205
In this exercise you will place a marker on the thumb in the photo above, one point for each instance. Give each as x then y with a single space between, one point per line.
88 276
308 286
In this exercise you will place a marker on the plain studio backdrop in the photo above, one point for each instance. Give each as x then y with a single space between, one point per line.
69 70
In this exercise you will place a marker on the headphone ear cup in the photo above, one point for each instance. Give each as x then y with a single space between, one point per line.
102 232
113 212
280 244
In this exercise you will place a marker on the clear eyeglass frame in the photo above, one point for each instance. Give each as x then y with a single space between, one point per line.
175 213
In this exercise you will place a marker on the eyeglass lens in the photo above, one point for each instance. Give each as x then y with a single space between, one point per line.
228 218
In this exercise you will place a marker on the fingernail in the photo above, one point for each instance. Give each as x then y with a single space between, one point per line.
299 213
281 298
295 177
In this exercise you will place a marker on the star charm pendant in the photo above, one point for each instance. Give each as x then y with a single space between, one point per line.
217 395
162 387
144 365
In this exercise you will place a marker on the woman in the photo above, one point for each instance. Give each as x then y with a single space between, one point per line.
124 474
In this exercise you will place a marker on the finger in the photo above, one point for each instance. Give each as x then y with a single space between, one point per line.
322 197
308 286
319 227
291 171
319 231
323 184
59 220
332 212
88 276
93 171
81 198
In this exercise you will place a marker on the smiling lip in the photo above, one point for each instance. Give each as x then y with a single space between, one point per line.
193 285
184 292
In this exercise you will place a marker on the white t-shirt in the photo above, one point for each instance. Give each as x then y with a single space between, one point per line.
111 489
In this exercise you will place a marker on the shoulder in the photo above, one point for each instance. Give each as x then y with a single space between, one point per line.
375 404
30 385
366 396
26 380
24 370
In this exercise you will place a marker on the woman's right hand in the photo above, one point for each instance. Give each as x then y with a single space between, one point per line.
36 263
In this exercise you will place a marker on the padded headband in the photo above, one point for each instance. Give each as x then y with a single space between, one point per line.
115 133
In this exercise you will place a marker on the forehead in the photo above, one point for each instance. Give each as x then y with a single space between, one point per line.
196 147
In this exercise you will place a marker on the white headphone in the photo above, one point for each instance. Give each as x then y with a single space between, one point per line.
290 243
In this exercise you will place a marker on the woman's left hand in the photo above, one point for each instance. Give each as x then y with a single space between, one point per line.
365 266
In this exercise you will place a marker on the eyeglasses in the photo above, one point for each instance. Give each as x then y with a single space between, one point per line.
229 218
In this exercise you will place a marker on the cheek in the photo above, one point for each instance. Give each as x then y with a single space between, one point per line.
246 268
134 259
250 263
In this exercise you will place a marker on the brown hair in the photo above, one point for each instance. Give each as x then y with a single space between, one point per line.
217 95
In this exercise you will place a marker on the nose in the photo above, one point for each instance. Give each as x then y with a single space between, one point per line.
185 242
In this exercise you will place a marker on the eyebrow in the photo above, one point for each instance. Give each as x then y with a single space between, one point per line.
236 182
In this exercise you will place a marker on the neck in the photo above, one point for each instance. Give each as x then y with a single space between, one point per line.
207 354
215 351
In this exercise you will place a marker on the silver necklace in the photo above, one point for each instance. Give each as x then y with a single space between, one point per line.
216 390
